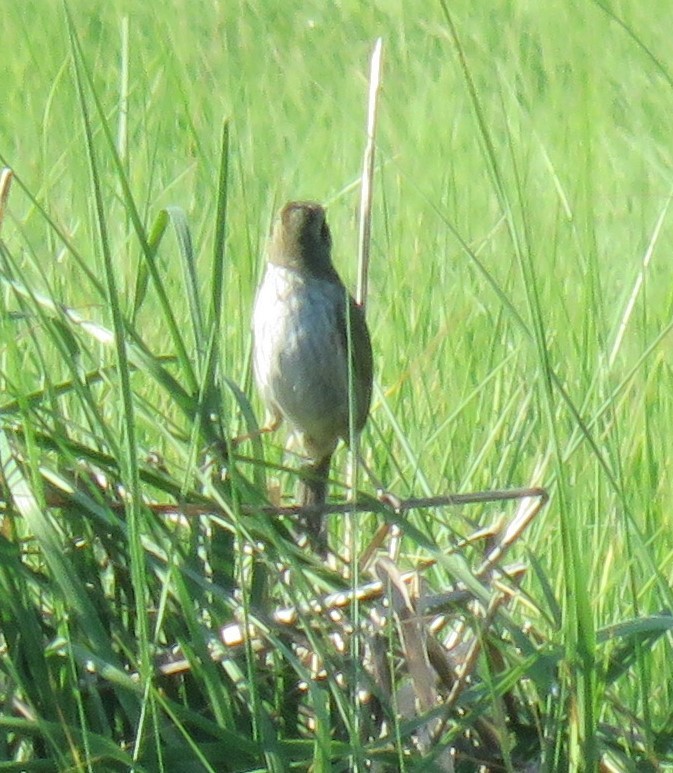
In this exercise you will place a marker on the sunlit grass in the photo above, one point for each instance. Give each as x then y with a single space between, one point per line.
520 303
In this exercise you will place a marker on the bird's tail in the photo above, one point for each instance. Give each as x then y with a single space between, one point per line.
311 492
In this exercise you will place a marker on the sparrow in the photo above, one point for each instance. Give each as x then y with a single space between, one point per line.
312 352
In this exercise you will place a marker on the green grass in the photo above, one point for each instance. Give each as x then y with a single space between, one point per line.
520 307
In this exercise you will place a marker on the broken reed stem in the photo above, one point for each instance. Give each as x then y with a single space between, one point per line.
468 665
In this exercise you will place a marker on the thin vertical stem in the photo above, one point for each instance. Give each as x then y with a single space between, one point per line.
368 176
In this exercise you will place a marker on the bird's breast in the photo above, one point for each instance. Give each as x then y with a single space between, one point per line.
299 356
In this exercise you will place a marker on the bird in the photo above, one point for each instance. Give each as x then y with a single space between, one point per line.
312 352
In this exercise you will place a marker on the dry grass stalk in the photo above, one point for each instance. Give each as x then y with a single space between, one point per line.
6 176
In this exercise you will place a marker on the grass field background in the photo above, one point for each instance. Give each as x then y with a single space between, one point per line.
521 300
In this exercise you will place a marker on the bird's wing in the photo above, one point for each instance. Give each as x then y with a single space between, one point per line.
362 363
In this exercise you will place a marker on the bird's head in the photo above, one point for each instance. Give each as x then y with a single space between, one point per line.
301 239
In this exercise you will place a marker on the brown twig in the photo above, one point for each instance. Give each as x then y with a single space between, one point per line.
366 505
286 617
57 498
